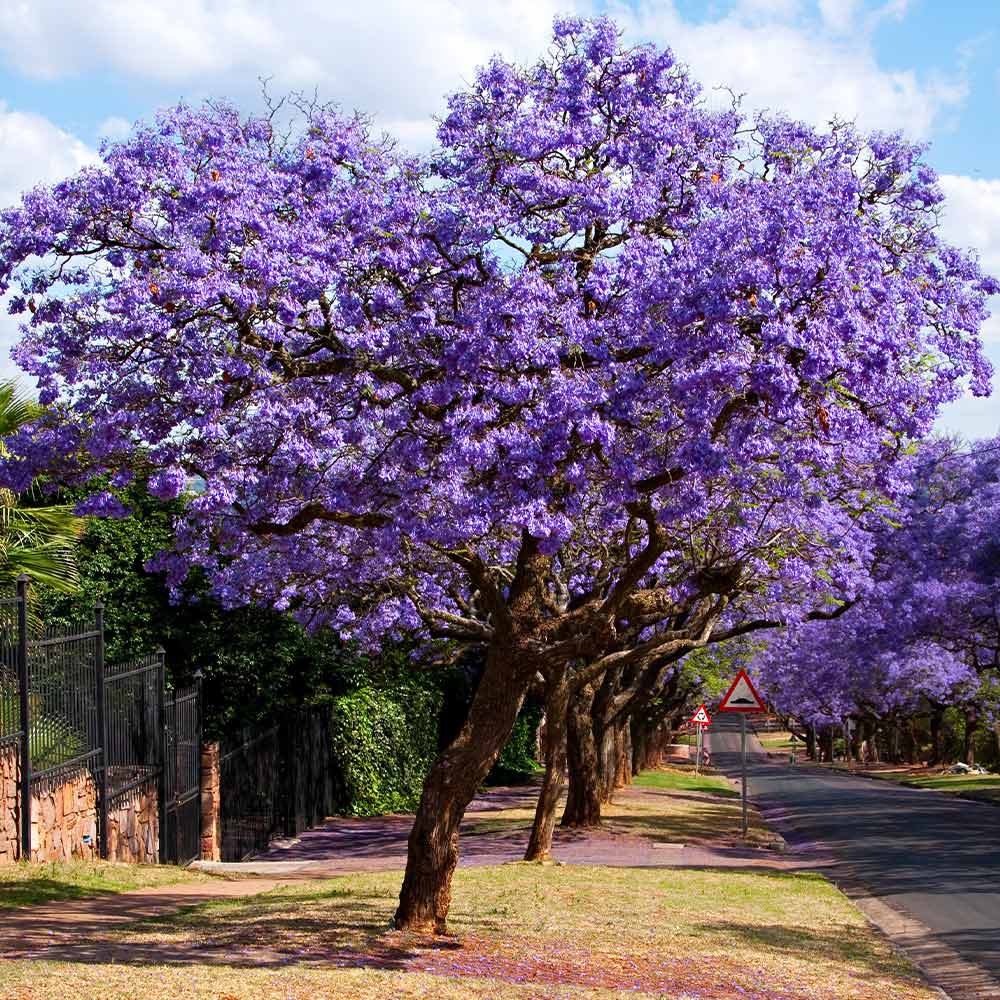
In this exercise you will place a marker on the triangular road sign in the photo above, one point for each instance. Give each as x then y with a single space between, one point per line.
701 717
742 696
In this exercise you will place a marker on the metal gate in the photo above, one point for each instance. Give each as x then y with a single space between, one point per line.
180 835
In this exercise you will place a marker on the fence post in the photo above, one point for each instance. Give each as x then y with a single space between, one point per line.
25 713
177 783
102 731
161 784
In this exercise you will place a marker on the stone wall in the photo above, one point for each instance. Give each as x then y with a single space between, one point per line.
64 818
134 827
9 807
211 808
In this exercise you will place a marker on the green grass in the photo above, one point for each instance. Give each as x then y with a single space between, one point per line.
780 741
985 786
519 932
35 882
685 781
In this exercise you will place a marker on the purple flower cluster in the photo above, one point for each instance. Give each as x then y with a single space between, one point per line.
653 344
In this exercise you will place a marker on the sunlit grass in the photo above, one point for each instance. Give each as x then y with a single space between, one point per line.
28 883
520 931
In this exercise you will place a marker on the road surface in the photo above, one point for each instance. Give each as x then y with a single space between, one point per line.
926 854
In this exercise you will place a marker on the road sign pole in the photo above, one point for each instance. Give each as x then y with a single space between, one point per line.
743 749
697 750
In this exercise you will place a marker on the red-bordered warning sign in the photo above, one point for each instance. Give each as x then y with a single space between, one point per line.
742 696
701 717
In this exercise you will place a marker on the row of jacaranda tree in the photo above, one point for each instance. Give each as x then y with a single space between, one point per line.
607 377
912 670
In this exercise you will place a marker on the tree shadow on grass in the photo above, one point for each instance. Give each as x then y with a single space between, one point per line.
329 928
33 891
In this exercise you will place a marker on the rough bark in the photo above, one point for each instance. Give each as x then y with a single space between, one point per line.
557 697
937 718
432 850
583 798
971 724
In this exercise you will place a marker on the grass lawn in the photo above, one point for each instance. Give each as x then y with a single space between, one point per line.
685 780
37 882
521 931
981 786
780 742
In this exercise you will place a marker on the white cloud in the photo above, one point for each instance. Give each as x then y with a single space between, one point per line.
838 15
395 60
804 67
114 128
971 217
34 151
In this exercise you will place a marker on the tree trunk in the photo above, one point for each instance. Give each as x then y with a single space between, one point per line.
937 717
625 755
641 743
432 850
557 697
971 724
583 798
811 743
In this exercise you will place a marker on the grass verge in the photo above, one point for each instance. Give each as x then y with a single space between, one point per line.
984 787
38 882
678 780
520 931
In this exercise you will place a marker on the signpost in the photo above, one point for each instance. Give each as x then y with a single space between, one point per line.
742 697
700 720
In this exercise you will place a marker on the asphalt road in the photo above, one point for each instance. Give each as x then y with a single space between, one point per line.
934 857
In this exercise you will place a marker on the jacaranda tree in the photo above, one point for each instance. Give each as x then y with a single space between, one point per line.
925 631
605 363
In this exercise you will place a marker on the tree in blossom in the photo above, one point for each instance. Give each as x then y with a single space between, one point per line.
606 368
926 627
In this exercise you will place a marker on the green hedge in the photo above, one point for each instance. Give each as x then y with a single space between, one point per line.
385 742
517 763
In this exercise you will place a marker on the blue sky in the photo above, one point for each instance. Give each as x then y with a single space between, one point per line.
72 73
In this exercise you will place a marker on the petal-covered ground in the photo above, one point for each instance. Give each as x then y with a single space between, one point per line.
518 931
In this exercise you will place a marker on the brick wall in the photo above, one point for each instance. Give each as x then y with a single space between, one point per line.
134 827
211 815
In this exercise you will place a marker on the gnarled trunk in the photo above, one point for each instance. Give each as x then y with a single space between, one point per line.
432 850
557 698
937 718
971 725
583 798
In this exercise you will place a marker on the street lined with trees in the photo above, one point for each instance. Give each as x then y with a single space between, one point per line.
608 380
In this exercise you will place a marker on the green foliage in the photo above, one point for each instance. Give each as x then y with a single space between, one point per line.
386 740
37 539
517 762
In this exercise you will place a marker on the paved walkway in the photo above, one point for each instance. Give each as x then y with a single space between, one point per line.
342 845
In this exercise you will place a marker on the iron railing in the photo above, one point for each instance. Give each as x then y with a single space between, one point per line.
69 714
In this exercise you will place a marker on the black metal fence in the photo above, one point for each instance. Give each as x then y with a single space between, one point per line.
71 714
276 781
